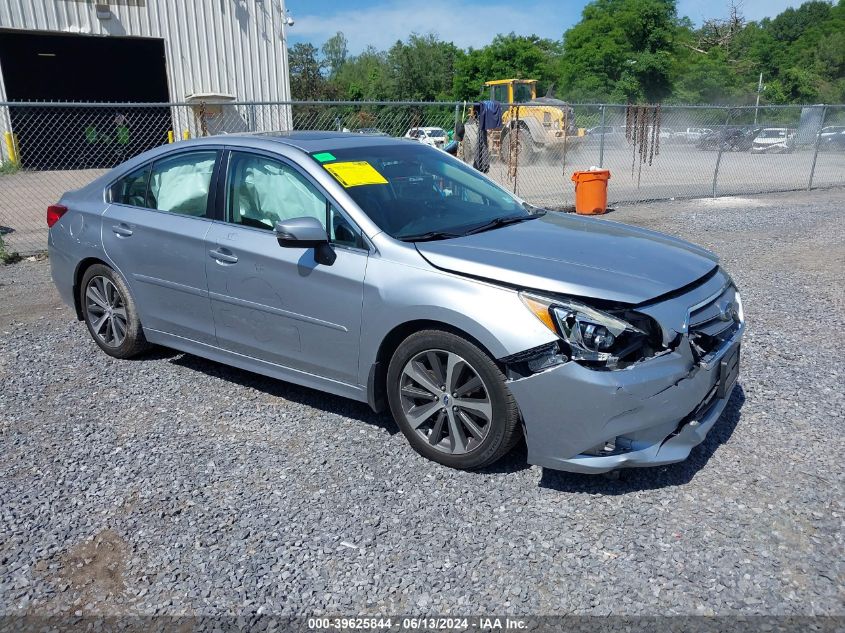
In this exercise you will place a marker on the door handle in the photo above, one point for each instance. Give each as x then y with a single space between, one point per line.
223 257
121 230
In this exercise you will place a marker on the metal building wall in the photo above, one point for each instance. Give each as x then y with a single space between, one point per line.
235 47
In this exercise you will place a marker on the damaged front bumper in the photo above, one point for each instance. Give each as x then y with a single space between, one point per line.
655 412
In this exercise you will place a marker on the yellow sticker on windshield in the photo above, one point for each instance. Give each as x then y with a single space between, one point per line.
355 173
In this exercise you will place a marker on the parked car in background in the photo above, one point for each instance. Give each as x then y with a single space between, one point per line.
774 140
832 137
667 135
392 273
692 134
434 136
735 139
370 130
601 129
611 134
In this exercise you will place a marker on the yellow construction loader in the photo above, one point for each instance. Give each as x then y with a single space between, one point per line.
545 125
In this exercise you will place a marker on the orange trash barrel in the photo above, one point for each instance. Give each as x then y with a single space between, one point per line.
591 191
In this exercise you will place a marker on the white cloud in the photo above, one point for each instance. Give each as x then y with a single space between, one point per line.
465 25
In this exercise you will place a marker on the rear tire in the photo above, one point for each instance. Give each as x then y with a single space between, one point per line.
450 400
109 312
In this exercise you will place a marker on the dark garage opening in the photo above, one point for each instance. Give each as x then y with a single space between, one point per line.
56 67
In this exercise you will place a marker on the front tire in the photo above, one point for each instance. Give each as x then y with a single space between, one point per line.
109 312
525 149
450 400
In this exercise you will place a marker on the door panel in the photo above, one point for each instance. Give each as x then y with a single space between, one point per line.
163 259
279 305
154 231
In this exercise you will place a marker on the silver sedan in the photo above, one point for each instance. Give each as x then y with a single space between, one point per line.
389 272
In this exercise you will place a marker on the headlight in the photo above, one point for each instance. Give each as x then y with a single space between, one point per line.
592 335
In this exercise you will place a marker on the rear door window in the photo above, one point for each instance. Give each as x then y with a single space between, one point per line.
180 184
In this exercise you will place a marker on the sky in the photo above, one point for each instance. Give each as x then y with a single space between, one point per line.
467 22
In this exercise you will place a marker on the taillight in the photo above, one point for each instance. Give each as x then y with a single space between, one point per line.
54 213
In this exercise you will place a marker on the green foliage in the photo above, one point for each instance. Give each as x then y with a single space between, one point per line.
335 51
306 73
507 57
8 167
421 69
365 77
5 256
620 51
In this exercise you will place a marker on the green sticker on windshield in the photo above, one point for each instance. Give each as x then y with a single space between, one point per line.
324 156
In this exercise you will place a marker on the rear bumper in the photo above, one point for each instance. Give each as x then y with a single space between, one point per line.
651 414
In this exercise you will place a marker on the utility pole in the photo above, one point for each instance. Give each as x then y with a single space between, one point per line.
759 90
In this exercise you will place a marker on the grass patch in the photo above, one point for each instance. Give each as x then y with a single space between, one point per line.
8 167
5 256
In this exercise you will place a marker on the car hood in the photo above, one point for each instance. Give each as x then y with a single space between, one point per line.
571 255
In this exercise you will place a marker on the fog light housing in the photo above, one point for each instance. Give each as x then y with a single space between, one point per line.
614 446
544 361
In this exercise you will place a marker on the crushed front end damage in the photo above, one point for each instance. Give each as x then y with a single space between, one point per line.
582 419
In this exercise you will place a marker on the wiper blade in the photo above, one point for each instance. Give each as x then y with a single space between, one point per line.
429 236
497 222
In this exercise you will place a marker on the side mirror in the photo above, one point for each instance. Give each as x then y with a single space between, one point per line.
306 232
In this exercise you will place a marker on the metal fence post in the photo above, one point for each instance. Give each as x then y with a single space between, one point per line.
457 120
722 137
252 119
601 140
816 148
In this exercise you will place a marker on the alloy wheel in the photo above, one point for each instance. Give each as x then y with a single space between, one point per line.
445 401
106 311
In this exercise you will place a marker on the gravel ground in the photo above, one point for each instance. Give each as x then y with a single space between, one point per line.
172 484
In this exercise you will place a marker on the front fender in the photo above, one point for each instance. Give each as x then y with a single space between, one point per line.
399 293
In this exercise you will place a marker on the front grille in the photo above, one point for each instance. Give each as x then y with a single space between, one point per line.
714 322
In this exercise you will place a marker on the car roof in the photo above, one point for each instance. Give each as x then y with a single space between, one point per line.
315 141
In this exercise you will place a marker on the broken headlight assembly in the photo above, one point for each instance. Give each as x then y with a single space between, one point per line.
594 337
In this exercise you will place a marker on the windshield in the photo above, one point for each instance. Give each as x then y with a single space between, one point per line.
437 133
773 134
412 191
522 93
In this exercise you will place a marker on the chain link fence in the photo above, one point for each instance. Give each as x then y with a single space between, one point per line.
652 152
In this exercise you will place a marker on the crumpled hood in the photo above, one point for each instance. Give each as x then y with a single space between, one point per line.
571 255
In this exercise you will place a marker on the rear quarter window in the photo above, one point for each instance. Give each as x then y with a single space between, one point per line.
131 189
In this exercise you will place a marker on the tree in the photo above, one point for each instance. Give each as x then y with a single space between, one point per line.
365 76
421 68
721 32
334 51
621 50
507 56
306 72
